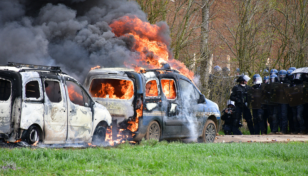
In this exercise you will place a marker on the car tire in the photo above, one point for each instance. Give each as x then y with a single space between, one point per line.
209 132
99 135
153 131
33 135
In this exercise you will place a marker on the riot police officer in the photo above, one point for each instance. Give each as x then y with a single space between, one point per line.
229 116
283 108
289 80
273 119
274 71
265 107
239 96
298 119
257 113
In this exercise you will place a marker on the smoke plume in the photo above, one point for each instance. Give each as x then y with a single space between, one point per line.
73 34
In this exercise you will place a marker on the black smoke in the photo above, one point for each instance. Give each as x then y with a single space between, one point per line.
73 34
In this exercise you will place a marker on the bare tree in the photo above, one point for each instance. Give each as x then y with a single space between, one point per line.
291 26
248 35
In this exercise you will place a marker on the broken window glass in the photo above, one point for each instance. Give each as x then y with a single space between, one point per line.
32 89
75 93
151 89
5 90
53 91
112 88
168 87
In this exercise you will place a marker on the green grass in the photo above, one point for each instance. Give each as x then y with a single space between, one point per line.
152 158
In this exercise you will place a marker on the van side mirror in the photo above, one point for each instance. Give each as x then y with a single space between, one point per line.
202 99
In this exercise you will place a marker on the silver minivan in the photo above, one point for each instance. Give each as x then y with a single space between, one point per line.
41 103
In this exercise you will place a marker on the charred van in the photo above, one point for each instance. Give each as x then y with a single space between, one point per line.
41 103
158 104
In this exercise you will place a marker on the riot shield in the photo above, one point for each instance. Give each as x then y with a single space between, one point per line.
295 95
265 97
254 98
305 92
278 94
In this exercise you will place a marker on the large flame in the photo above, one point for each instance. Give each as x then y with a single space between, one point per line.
134 123
168 88
151 89
149 43
112 88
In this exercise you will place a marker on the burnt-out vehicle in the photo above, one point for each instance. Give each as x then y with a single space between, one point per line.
154 104
41 103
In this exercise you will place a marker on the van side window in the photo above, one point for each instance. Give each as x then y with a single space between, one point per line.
188 91
151 89
87 99
5 90
75 93
168 87
32 90
53 91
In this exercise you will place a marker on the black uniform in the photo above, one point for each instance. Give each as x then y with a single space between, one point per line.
239 96
228 118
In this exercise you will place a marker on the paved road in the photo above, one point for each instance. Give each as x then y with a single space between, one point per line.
260 138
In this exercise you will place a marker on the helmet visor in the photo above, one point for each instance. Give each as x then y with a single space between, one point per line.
258 80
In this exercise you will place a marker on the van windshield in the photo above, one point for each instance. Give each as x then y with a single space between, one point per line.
112 88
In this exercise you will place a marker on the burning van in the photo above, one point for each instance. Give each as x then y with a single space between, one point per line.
41 103
154 104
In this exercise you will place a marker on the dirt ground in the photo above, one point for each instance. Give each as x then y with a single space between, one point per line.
260 138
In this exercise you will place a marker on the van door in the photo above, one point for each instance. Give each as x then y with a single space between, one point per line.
171 103
79 113
32 111
190 97
55 115
5 105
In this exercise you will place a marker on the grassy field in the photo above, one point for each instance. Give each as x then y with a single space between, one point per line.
152 158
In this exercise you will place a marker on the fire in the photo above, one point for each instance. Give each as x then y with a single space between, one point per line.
74 96
151 89
168 87
17 141
35 143
96 67
150 43
113 89
91 145
134 124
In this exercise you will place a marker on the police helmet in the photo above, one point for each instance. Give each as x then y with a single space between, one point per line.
226 70
265 71
292 68
243 78
257 79
274 71
229 102
282 75
273 78
266 79
217 68
238 70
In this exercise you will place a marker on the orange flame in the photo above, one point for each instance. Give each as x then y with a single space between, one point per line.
73 95
151 89
35 143
149 42
168 88
17 141
114 89
134 124
96 67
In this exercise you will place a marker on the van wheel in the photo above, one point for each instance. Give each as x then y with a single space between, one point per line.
99 134
153 131
209 132
33 135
